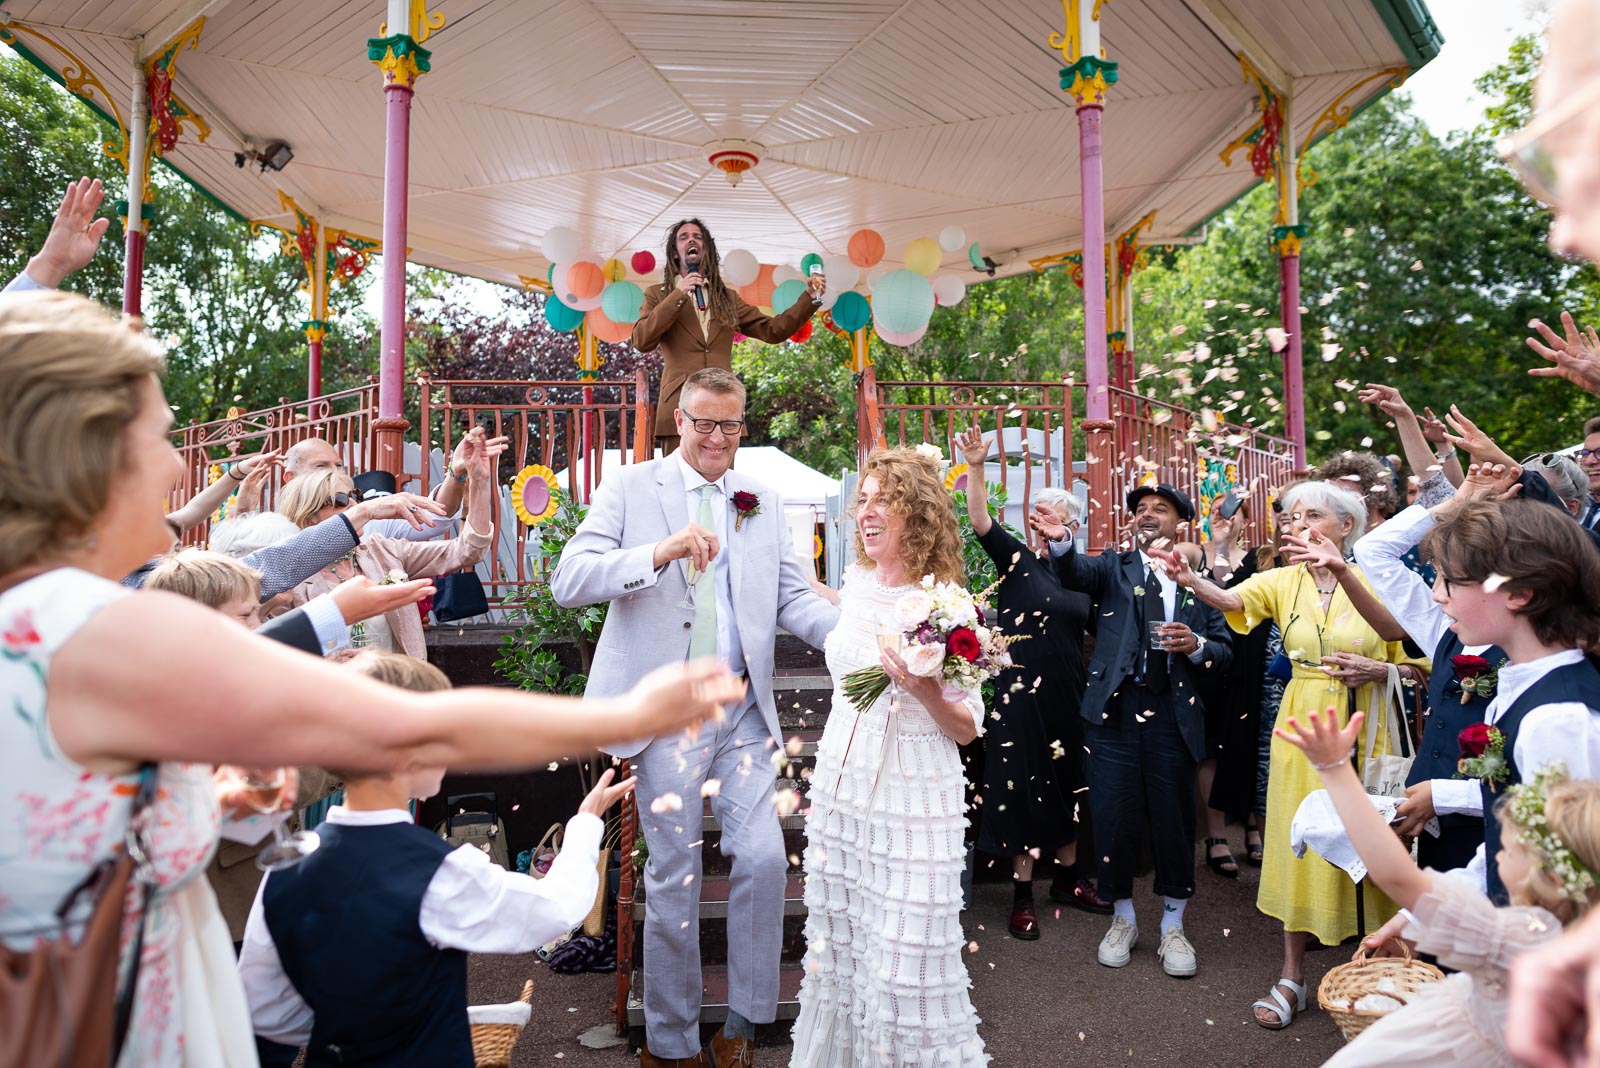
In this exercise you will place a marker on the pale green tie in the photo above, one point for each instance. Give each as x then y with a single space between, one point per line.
703 639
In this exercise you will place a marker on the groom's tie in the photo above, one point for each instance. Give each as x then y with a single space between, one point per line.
703 639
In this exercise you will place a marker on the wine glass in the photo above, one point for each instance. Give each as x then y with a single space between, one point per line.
892 639
692 577
287 850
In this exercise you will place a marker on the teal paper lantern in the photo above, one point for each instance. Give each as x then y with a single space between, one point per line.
851 312
620 302
784 295
808 262
560 317
975 257
902 301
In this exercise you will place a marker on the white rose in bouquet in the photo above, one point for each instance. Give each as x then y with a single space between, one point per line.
924 660
912 609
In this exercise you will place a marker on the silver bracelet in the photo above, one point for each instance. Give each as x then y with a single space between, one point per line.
1330 767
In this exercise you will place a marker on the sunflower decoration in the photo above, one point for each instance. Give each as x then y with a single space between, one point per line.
956 478
534 495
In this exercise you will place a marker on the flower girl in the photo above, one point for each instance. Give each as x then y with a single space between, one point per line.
1548 860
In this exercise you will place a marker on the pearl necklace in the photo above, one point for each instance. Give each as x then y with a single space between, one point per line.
892 589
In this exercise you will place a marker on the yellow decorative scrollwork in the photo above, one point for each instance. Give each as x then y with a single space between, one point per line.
77 79
1070 42
529 282
422 25
1336 116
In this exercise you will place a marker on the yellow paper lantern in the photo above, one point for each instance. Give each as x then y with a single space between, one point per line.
614 270
923 256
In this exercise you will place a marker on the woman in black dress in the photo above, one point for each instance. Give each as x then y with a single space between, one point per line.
1033 774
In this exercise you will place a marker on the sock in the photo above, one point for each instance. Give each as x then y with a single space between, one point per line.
738 1027
1021 890
1124 907
1172 913
1066 874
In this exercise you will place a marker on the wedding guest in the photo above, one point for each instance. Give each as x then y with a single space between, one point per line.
374 971
1033 775
1328 646
99 712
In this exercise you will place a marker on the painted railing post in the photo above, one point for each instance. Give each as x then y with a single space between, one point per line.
403 60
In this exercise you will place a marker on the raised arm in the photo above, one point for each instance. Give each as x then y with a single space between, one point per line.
975 451
1173 562
1318 551
1420 457
74 236
1328 748
1576 356
210 499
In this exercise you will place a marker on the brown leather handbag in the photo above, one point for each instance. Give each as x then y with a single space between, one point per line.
61 1004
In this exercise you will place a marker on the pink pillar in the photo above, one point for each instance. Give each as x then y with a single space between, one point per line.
1094 261
1294 391
133 271
314 369
396 181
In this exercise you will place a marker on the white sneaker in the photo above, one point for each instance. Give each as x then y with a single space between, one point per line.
1177 954
1116 948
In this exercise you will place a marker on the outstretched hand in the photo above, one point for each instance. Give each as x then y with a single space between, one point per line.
360 598
1315 549
1479 445
1174 563
1320 738
604 795
1386 399
74 234
1490 482
1576 356
973 448
1044 522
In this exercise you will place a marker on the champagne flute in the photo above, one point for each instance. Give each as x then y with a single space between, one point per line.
892 639
692 577
287 850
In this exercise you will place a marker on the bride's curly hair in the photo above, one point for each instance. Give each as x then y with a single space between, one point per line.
931 544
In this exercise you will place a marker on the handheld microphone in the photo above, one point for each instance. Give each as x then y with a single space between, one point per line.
691 265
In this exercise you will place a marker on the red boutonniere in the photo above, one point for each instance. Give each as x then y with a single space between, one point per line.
1475 676
1482 754
745 505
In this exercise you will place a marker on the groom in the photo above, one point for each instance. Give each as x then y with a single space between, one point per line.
652 528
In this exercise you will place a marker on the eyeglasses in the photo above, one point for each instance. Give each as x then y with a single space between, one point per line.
341 500
1527 151
1584 454
1453 580
730 427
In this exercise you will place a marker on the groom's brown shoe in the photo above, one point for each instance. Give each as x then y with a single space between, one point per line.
650 1060
725 1052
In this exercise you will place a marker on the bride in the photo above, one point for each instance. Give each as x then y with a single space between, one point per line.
885 983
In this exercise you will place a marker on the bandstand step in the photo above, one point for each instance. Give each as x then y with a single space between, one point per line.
714 992
714 898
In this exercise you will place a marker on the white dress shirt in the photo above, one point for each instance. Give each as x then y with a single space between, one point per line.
1410 601
471 904
22 283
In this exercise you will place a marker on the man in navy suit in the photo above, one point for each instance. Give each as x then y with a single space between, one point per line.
1145 728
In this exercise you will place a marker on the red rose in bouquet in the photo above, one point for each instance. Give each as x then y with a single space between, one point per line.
1474 740
1468 667
964 643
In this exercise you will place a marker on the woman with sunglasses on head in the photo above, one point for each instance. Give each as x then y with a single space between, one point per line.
313 498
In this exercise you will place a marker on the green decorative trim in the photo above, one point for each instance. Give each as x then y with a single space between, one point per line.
320 324
402 45
1088 67
1413 29
1281 232
148 214
1117 335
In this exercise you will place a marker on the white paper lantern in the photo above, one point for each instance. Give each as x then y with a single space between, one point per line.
739 268
561 244
875 276
949 290
952 238
842 274
785 273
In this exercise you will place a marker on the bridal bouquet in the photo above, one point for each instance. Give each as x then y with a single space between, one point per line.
942 634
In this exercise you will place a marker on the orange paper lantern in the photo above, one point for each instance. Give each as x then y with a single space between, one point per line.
606 330
758 294
865 248
585 280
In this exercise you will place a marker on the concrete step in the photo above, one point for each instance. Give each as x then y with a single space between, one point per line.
714 992
714 897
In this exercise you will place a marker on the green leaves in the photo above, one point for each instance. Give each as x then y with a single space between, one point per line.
526 657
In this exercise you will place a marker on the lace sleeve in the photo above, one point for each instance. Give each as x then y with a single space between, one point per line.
1458 924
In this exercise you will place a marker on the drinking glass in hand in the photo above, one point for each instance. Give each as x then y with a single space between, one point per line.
266 794
1158 641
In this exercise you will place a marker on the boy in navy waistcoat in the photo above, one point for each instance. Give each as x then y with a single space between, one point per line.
359 952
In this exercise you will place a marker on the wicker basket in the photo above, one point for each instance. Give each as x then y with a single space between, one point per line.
1346 984
492 1042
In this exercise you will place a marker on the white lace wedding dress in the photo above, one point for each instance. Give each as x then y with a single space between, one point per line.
885 984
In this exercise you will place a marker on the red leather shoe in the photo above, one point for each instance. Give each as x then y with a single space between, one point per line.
1024 923
1080 895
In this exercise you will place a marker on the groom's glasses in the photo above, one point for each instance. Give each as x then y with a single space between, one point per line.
730 427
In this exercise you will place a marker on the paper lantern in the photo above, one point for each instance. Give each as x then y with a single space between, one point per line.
613 270
643 262
620 302
802 335
923 256
911 337
830 297
865 248
583 280
842 274
784 295
948 290
739 268
951 238
606 330
851 312
560 317
975 258
902 302
535 496
561 244
875 276
784 273
758 293
808 261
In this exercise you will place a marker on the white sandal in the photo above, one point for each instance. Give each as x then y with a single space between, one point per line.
1279 1005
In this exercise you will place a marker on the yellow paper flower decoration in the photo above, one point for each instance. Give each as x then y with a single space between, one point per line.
534 495
956 477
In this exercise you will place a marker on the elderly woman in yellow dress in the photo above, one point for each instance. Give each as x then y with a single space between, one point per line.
1338 660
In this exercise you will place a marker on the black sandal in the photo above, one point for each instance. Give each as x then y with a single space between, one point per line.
1253 850
1224 865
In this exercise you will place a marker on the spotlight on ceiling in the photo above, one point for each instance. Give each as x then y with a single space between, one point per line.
275 157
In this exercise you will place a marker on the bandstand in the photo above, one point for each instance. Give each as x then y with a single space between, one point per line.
1072 136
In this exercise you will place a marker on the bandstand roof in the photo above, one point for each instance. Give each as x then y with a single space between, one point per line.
903 115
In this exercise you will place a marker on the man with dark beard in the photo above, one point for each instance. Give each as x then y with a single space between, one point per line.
692 316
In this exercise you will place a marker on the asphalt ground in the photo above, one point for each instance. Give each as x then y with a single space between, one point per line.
1047 1002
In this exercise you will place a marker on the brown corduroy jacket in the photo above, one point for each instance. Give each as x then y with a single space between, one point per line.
668 320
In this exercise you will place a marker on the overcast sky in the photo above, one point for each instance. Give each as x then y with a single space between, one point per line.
1477 34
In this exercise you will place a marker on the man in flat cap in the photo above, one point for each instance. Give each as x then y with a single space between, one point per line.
1145 729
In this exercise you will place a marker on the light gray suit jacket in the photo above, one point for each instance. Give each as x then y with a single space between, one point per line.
609 559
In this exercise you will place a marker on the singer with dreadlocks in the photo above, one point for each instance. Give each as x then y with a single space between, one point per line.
692 315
